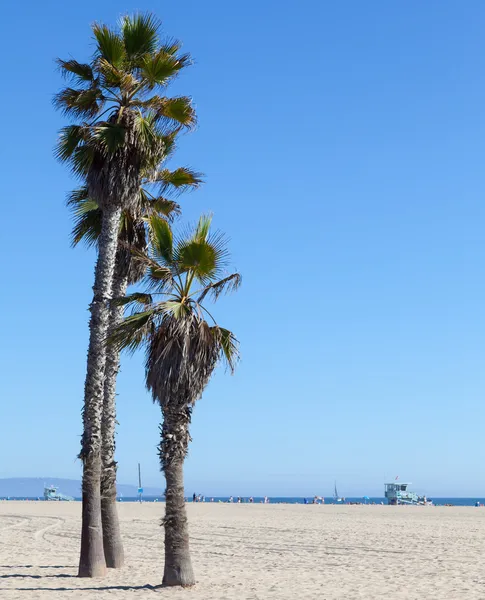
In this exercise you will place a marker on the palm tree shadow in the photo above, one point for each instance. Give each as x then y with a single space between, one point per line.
22 575
105 588
37 566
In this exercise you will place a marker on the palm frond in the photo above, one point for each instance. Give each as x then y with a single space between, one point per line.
227 285
161 239
133 331
112 76
79 103
110 136
229 345
160 205
82 159
140 34
77 197
160 68
168 208
87 217
138 299
110 45
147 133
177 308
172 110
202 230
87 226
80 72
70 137
178 181
197 257
171 46
158 278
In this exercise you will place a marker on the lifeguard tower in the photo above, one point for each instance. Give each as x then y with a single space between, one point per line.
51 493
397 493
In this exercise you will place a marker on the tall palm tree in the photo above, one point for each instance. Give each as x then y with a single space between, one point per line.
121 129
183 346
131 236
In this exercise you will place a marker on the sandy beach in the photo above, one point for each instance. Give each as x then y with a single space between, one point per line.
255 552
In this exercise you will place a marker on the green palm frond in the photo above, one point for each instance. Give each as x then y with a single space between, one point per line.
87 228
147 132
79 103
171 46
177 308
110 45
70 137
202 230
81 73
203 253
171 110
134 330
229 345
153 205
159 68
177 181
110 136
81 160
77 196
87 217
161 239
140 34
165 207
198 258
114 77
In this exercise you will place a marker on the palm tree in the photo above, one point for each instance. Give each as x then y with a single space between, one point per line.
121 131
183 346
132 235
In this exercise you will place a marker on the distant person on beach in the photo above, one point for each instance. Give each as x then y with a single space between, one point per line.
194 497
251 500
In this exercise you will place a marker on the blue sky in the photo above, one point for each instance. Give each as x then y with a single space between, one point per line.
343 145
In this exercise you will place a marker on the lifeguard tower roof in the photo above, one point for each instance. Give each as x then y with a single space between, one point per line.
399 483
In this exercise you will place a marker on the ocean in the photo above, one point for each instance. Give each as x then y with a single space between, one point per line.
293 500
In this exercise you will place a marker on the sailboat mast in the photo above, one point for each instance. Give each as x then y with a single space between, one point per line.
140 489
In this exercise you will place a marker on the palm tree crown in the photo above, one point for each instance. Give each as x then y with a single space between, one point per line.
126 128
182 340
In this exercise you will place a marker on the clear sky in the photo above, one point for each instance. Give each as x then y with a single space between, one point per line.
344 146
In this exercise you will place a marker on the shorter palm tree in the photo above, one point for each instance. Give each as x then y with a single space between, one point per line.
183 346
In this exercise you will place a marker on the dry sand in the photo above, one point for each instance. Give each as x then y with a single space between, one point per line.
255 552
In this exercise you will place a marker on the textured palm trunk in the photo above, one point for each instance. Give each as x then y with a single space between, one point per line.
173 449
113 546
92 561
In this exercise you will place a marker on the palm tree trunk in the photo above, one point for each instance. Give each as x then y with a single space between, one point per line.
92 562
173 449
113 546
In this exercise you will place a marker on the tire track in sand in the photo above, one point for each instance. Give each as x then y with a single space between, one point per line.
40 533
21 521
